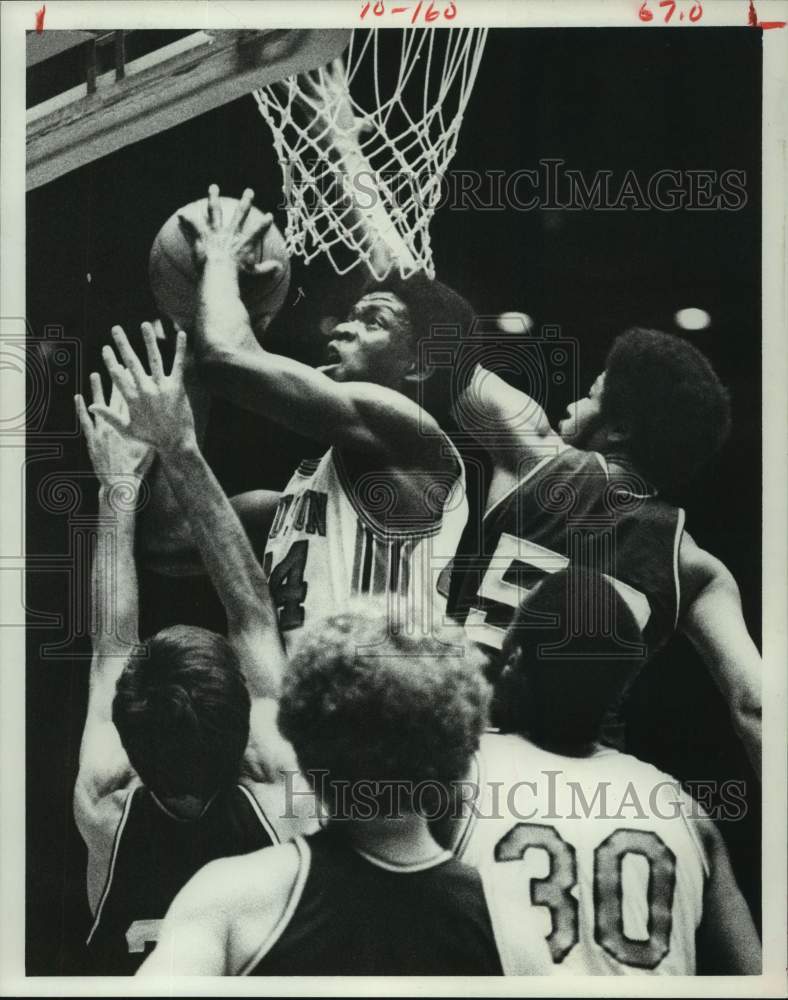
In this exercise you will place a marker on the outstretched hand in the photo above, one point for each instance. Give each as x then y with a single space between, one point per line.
217 240
113 452
158 410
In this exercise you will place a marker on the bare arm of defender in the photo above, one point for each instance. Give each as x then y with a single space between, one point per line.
509 424
165 542
105 773
727 941
159 413
358 416
712 619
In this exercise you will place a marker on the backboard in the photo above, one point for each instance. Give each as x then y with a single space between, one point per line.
136 98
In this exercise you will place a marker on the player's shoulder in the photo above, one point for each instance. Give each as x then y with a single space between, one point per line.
492 739
103 788
216 922
697 565
582 470
242 897
401 425
491 743
104 766
661 791
494 742
627 764
243 880
588 461
507 753
566 458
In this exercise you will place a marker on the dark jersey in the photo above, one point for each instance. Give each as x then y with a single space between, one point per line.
570 509
153 857
352 914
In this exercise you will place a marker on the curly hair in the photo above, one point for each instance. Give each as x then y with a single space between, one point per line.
671 402
431 305
571 648
182 712
366 704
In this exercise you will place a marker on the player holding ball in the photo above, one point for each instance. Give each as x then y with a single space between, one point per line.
382 511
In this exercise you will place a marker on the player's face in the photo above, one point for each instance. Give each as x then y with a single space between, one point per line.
584 417
372 344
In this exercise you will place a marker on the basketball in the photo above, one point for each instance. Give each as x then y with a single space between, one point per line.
174 276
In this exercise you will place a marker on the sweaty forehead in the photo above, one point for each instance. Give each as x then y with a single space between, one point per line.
382 299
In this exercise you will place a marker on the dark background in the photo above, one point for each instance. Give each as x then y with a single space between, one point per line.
597 99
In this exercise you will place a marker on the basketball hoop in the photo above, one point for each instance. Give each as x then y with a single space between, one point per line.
364 145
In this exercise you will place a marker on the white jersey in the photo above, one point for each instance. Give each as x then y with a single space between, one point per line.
328 544
604 848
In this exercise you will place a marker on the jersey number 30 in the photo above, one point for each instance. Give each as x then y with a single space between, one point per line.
555 890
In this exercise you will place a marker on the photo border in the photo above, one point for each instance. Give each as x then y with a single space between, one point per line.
20 17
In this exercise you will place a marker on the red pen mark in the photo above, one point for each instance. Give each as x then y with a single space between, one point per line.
40 15
433 12
752 20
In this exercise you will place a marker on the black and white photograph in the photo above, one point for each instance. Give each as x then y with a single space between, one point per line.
393 430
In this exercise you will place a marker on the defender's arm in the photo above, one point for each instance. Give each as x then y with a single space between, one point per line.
227 554
104 768
510 425
159 413
252 623
713 620
165 542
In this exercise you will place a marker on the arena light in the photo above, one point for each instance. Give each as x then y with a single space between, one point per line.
515 322
692 319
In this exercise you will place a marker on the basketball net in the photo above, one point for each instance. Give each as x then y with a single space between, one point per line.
364 144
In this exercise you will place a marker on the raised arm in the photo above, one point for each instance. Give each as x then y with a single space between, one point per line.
509 422
159 413
712 619
165 544
120 462
358 416
510 425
